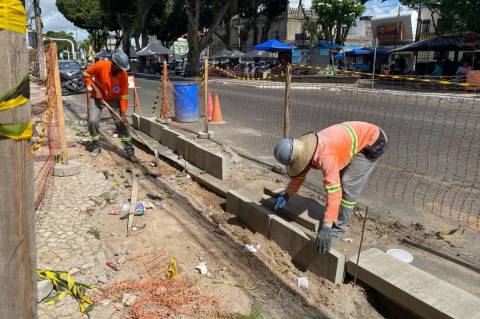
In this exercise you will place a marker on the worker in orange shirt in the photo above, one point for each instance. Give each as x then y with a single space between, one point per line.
108 80
346 154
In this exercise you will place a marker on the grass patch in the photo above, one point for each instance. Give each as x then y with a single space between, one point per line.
94 232
255 313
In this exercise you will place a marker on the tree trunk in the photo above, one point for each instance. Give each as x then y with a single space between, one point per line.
144 38
137 42
255 32
227 32
339 33
193 12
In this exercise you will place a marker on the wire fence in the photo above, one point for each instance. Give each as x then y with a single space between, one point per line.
46 135
432 164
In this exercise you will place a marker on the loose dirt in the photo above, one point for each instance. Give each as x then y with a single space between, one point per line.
189 224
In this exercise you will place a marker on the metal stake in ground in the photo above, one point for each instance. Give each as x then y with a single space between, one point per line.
360 247
133 203
205 134
286 118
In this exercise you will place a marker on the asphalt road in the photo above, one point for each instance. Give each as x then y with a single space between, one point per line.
433 160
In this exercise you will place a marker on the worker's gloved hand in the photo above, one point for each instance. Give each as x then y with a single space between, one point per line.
324 239
281 201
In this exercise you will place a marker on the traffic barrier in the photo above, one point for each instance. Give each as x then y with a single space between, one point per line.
210 106
217 113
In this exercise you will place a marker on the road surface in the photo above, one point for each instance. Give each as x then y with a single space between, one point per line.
432 164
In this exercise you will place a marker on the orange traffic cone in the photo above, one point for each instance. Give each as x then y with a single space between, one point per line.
210 106
217 114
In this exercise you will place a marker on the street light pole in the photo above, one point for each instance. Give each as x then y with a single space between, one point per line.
40 48
239 28
74 54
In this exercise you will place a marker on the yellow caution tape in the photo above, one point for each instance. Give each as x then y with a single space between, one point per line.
17 96
65 285
17 131
12 15
171 272
395 77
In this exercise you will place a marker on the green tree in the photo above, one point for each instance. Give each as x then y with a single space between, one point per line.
170 23
335 17
456 16
88 15
203 20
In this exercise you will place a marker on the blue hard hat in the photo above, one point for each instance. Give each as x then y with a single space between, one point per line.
283 151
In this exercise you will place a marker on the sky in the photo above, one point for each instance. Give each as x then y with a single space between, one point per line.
53 20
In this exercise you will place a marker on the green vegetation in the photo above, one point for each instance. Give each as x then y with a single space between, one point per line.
94 232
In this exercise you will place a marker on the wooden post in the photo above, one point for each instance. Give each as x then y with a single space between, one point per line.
205 85
59 104
286 115
374 61
17 221
133 203
165 107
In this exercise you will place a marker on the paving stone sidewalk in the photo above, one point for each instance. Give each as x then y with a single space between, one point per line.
63 238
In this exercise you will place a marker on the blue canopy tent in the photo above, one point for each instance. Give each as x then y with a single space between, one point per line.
362 51
324 44
274 46
366 55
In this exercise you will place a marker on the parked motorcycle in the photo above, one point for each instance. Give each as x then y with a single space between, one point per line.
72 83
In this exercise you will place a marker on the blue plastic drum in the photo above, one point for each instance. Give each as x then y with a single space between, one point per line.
186 102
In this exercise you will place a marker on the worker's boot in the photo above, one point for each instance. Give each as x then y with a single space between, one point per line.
96 149
95 152
132 158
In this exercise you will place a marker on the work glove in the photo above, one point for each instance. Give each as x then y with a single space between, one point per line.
324 239
281 201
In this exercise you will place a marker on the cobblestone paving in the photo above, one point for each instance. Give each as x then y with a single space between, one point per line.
63 239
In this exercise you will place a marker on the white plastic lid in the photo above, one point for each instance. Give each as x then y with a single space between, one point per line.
401 255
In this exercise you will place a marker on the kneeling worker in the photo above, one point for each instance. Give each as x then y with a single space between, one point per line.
109 81
346 154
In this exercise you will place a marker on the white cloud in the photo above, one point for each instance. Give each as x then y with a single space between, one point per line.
294 3
53 20
373 7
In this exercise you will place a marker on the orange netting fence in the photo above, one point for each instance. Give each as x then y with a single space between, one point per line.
46 134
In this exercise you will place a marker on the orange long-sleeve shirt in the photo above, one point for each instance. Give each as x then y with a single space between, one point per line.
337 145
112 87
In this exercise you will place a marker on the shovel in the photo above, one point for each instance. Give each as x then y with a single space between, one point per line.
141 139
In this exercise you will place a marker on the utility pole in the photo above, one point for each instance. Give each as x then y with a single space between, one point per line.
17 250
39 33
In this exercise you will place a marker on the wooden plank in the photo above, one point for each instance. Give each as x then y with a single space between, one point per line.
133 203
17 221
59 104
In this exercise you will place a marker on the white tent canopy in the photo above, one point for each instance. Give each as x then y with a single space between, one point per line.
154 48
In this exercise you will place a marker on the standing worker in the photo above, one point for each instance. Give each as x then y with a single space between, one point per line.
108 80
346 154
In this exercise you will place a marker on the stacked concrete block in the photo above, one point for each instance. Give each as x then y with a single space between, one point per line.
136 121
415 290
288 236
212 163
303 211
254 215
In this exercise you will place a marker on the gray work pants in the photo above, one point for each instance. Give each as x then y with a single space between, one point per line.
353 178
94 125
